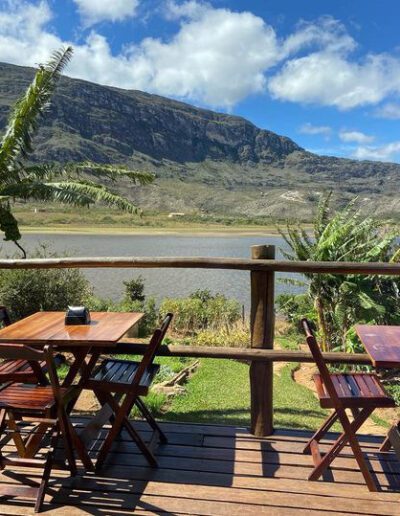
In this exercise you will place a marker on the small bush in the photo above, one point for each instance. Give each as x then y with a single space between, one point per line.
201 311
25 292
237 336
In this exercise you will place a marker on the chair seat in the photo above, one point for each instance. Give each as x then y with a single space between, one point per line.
354 390
117 376
28 397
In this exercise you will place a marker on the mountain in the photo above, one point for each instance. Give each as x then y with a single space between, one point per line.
204 161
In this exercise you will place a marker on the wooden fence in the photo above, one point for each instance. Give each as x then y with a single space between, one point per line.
262 267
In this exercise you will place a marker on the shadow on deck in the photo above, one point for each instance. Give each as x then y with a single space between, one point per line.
219 470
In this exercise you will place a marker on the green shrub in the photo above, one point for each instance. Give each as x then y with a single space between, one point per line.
134 289
24 292
201 311
134 301
236 336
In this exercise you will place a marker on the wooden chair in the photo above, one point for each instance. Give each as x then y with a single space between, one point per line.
113 379
18 370
360 392
35 403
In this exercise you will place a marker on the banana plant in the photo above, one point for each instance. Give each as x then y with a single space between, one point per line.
342 300
69 183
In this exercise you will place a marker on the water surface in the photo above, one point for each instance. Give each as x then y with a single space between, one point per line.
160 282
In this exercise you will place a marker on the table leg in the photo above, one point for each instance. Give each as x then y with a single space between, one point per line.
78 363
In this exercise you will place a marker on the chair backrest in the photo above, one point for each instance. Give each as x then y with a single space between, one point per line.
319 360
35 358
4 316
152 348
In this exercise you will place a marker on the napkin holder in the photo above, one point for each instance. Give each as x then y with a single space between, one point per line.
77 315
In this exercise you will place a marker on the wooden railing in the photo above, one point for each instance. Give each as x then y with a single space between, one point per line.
261 355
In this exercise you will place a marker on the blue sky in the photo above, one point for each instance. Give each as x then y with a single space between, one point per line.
325 73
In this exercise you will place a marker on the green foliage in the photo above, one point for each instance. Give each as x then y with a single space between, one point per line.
201 311
134 289
337 302
27 291
295 306
70 183
134 300
236 335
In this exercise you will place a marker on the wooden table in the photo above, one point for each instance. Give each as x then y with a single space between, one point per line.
382 343
41 328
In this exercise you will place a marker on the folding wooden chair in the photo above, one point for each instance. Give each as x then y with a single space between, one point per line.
126 380
35 403
18 370
360 392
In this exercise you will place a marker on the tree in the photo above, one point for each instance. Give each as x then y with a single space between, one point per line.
69 183
340 301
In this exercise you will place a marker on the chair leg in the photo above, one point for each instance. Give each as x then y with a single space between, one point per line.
326 425
47 470
386 445
358 454
140 444
2 427
119 414
150 419
16 436
341 442
120 421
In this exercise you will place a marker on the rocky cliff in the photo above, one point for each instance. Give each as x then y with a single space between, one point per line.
204 161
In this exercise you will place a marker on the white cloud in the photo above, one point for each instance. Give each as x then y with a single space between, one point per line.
330 79
216 56
189 9
386 152
389 110
326 33
356 137
315 129
94 11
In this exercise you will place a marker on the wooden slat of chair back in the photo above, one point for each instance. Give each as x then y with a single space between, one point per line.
151 351
320 362
21 351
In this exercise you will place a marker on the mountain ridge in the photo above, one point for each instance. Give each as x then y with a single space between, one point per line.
204 161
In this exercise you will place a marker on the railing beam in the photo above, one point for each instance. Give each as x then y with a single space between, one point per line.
198 262
129 346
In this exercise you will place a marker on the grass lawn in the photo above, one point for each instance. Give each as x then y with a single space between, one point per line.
219 392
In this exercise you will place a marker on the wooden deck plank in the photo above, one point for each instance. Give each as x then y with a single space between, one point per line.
216 470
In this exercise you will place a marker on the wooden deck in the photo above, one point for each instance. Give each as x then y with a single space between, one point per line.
219 470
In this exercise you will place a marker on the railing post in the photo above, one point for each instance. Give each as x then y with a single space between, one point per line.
262 326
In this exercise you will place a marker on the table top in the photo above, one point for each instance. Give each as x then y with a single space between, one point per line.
382 343
105 329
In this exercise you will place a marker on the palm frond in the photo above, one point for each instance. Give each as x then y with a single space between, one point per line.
93 192
23 120
112 172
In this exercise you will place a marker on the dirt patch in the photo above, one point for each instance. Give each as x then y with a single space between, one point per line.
87 403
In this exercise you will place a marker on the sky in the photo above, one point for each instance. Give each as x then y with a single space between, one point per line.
326 73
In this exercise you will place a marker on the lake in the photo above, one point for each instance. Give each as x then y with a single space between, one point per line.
160 282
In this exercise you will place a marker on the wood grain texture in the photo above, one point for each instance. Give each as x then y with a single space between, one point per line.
198 262
217 470
262 328
105 329
382 343
129 346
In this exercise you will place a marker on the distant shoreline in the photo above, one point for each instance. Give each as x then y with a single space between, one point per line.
121 230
